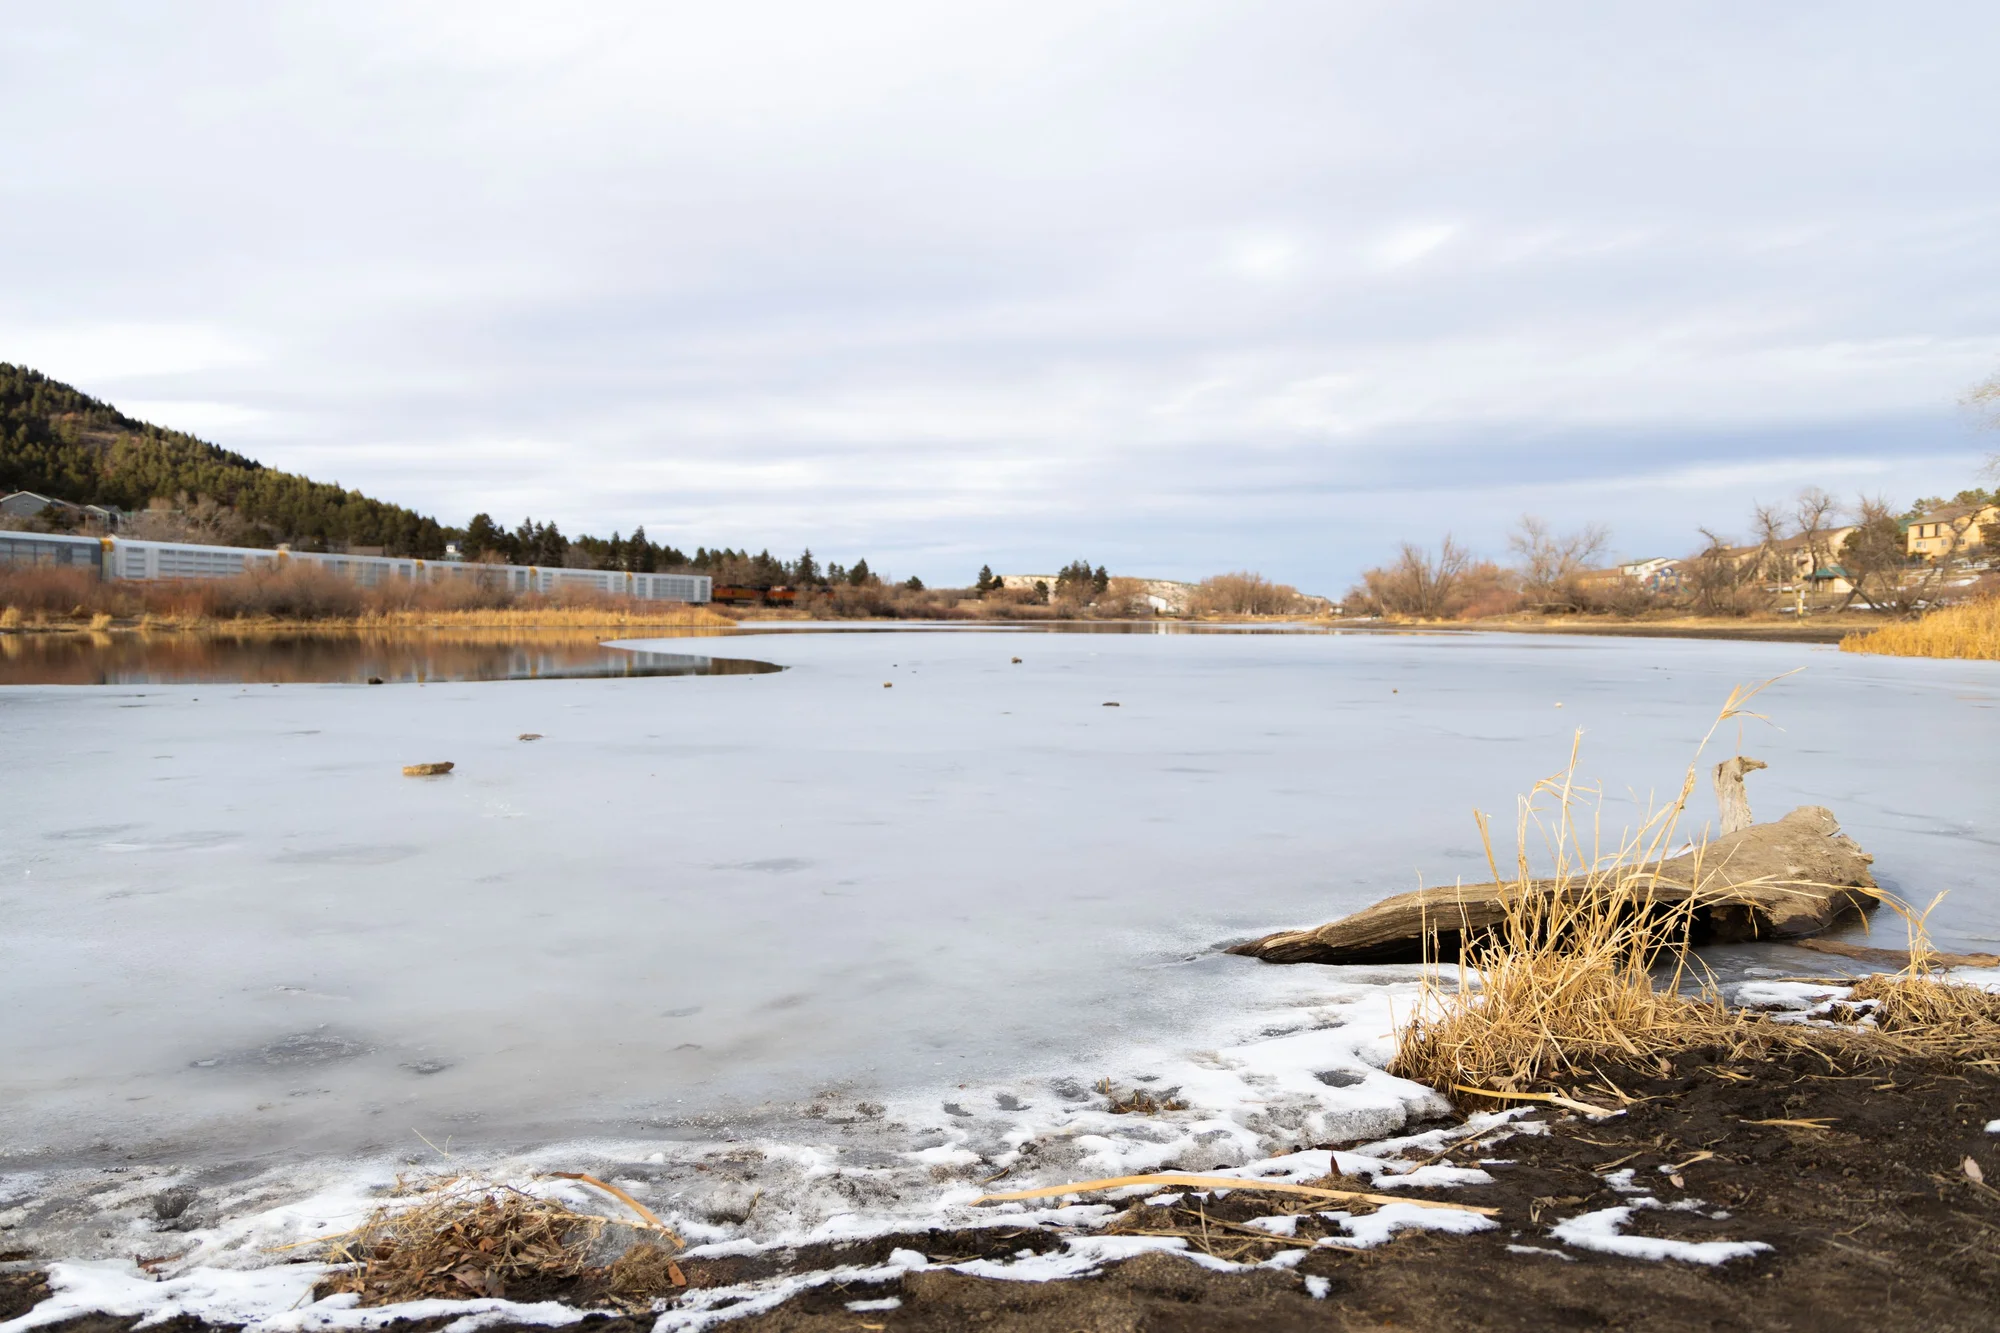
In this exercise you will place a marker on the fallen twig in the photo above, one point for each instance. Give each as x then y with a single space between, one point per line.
1818 1122
1220 1183
1553 1098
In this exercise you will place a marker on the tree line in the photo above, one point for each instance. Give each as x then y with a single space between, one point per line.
1814 538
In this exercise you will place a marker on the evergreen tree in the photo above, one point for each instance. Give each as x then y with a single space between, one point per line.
859 575
1075 580
483 536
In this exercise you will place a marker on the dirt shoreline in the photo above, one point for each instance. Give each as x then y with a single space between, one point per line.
1872 1221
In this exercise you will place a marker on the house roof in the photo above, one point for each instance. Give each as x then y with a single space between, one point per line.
1952 513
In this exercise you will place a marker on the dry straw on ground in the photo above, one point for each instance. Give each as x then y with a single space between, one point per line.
1971 630
461 1237
1919 1011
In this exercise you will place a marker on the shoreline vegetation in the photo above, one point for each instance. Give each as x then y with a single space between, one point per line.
1970 631
300 599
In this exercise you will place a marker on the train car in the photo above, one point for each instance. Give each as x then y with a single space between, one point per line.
121 558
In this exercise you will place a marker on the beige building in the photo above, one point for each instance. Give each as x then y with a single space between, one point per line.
1946 532
1795 557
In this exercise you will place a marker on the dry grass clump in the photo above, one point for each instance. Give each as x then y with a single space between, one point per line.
1569 978
1971 630
1922 1013
1931 1016
463 1238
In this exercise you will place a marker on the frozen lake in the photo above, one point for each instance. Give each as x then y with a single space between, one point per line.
232 928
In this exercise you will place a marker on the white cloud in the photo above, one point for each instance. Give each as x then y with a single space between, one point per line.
126 351
1412 243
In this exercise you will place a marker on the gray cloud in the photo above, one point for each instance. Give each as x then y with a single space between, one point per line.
1179 287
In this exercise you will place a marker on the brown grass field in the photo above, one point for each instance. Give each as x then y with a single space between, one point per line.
1970 631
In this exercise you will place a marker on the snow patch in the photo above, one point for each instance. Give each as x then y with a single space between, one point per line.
1601 1231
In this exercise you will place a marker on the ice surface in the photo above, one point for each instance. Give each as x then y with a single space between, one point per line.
847 951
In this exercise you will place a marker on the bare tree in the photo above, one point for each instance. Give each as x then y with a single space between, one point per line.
1244 594
201 520
1984 398
1772 527
1721 583
1813 514
1418 584
1549 563
1876 558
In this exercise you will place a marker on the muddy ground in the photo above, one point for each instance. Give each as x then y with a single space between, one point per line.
1873 1220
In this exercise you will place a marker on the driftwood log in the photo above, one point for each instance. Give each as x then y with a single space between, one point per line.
1730 797
1790 878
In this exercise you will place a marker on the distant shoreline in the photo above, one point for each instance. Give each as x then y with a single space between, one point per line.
1830 631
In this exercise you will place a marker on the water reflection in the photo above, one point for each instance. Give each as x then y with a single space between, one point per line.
401 657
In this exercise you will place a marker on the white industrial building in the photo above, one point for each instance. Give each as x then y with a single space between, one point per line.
114 558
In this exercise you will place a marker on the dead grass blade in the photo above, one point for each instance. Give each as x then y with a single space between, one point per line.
624 1198
1818 1122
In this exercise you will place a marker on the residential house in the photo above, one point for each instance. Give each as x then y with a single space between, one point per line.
1952 529
1655 574
29 504
1796 557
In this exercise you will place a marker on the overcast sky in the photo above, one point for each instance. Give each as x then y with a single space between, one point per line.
1174 287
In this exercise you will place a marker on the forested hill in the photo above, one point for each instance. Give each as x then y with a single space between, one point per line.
65 444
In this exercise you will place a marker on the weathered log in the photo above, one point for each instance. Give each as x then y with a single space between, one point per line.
1786 879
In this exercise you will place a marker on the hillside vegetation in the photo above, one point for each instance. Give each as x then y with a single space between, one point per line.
62 443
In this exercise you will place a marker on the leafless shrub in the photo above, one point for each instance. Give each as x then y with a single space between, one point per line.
1549 564
1418 584
1244 593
